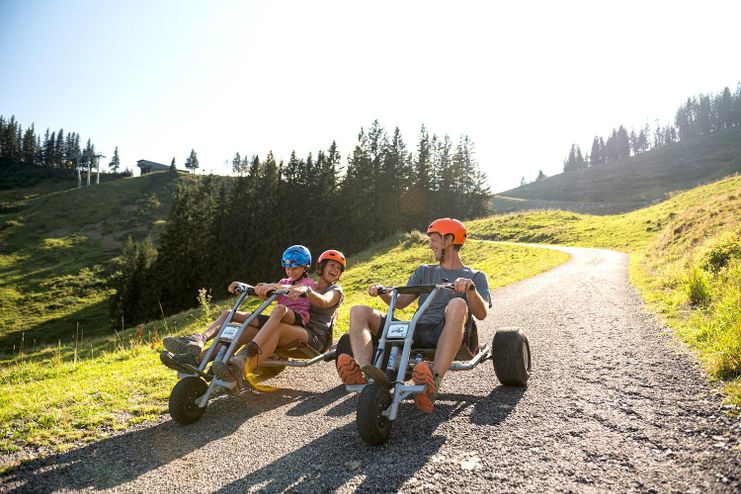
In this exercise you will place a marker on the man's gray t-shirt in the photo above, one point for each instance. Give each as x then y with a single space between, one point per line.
430 274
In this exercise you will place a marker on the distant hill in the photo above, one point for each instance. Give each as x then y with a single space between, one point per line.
633 183
58 245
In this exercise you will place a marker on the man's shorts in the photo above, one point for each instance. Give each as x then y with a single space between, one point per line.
425 335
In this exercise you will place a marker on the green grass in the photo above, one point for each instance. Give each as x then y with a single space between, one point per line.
57 249
60 396
632 183
675 248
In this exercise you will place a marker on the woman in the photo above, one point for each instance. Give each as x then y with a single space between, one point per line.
325 300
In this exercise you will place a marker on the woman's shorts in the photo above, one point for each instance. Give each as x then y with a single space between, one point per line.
317 341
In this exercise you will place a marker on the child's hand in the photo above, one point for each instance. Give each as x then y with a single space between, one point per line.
262 289
233 287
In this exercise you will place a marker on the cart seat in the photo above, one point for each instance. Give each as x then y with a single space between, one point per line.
464 353
296 350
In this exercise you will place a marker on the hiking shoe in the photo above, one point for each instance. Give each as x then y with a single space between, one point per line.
251 350
422 374
179 361
192 344
349 370
229 372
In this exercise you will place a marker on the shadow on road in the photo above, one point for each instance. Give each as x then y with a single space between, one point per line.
341 458
125 457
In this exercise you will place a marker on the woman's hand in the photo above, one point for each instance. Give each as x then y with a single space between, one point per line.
295 292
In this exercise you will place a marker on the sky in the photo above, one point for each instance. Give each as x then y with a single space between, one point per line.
524 80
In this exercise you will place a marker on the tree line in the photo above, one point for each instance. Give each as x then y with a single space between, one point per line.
55 149
699 115
226 228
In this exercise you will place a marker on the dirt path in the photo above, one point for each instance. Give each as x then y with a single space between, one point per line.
614 404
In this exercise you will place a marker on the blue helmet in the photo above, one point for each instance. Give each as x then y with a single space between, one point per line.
296 256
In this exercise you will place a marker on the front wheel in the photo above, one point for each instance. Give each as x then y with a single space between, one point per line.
373 426
183 408
511 354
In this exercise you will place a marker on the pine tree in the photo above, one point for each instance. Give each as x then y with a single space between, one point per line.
595 155
29 146
191 163
540 176
237 164
173 167
59 155
115 163
569 164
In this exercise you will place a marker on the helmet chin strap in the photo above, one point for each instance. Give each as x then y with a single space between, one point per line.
442 251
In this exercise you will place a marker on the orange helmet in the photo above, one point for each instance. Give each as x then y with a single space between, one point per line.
333 255
449 226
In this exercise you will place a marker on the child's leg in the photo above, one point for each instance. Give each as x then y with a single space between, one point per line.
290 317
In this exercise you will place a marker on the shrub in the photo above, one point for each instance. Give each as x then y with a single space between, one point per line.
726 248
697 288
415 237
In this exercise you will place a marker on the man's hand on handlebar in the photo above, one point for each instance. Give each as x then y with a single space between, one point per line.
373 289
463 285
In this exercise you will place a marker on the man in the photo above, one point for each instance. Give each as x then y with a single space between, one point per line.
442 325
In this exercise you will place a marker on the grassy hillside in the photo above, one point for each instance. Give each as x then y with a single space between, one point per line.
630 184
60 396
685 261
56 249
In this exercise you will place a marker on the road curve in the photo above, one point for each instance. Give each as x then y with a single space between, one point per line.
614 404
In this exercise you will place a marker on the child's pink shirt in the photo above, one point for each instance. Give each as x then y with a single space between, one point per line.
302 305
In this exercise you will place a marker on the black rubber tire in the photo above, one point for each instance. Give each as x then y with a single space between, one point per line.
182 400
511 357
373 427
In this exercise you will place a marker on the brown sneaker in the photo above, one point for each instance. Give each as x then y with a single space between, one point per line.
349 370
422 374
192 344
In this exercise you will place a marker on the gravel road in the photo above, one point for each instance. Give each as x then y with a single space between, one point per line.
614 404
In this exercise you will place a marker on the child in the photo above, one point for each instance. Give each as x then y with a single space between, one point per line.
296 260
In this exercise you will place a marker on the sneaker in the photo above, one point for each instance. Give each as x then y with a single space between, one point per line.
422 374
192 344
229 372
349 370
178 361
251 349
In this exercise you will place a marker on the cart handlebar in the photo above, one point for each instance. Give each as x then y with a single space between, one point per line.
244 287
416 289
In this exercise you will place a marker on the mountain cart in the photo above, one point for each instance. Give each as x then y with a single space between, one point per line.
190 396
395 357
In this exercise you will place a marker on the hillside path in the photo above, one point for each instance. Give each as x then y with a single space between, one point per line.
614 404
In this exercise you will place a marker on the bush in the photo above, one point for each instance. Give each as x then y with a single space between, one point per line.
697 288
415 237
725 249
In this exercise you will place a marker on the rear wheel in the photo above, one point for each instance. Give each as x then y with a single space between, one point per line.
183 408
511 354
373 426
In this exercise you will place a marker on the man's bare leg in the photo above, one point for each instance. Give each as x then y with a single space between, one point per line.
364 323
